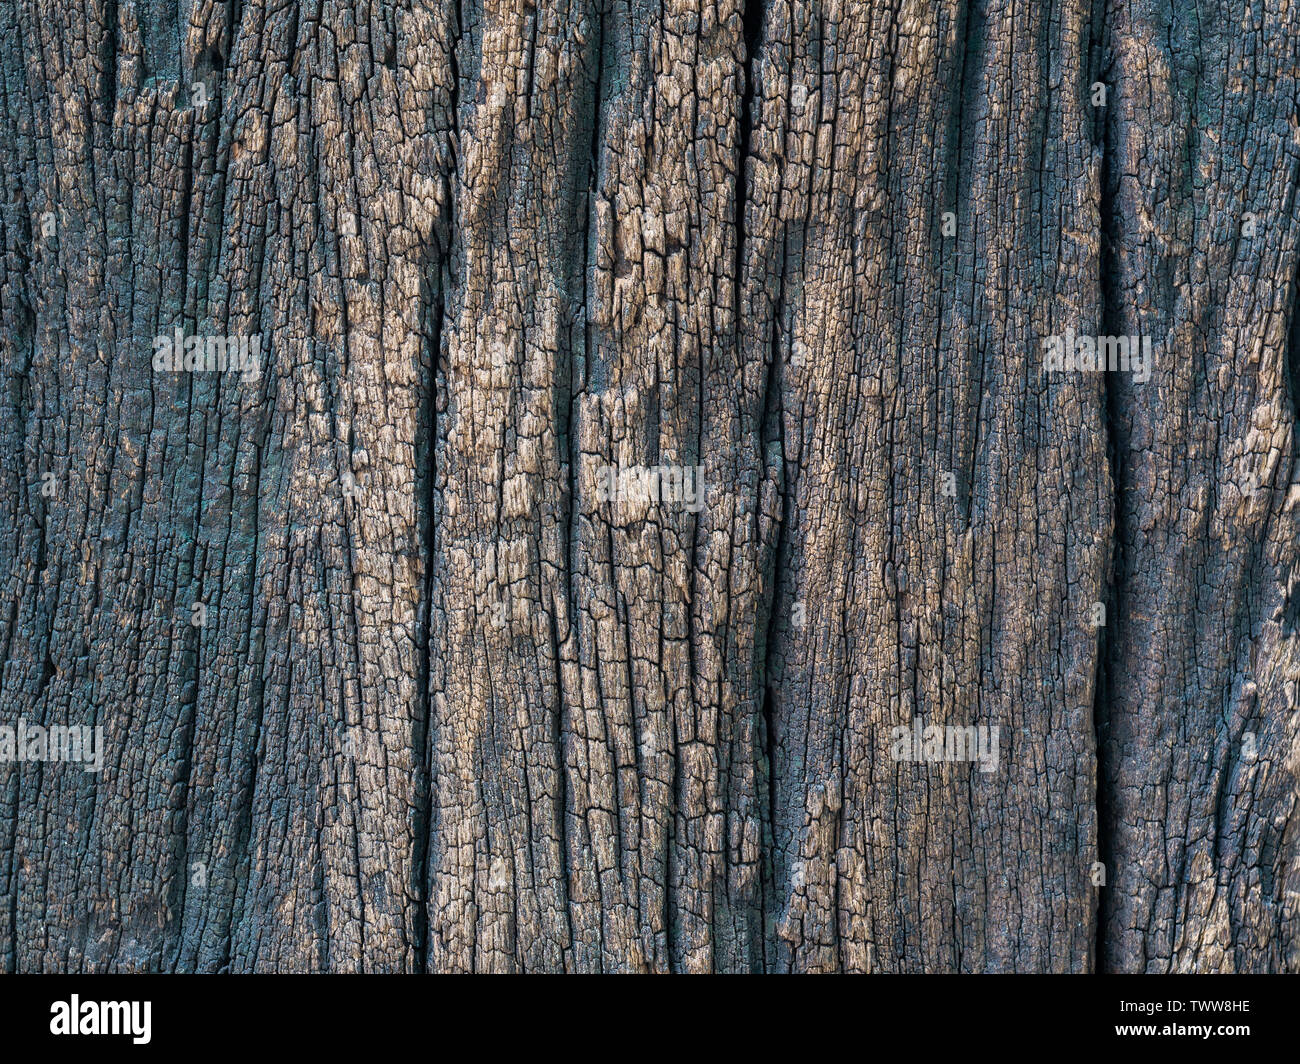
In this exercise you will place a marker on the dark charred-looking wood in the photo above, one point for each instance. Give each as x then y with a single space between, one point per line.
397 669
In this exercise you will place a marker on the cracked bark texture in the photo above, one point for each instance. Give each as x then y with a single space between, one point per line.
451 710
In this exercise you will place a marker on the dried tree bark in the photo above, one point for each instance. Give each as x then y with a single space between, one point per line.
388 684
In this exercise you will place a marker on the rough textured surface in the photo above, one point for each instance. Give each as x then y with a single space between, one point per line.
445 706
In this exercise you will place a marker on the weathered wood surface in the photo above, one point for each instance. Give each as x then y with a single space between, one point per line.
448 708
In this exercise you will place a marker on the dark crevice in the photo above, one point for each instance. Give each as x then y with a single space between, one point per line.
569 434
957 194
236 19
426 451
772 635
970 31
753 18
753 27
184 769
437 281
110 52
1290 615
426 447
1111 318
1293 365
